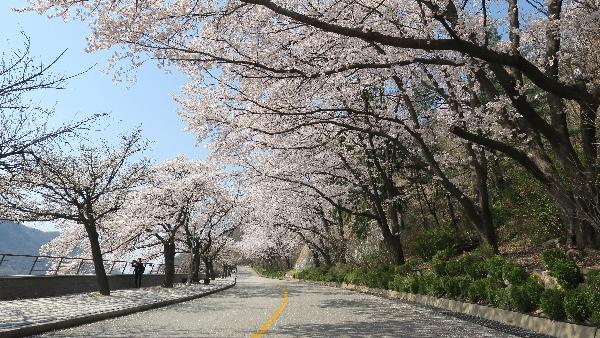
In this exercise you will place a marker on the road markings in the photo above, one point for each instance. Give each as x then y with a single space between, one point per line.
269 322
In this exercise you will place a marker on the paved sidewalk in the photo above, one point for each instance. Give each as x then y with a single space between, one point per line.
20 317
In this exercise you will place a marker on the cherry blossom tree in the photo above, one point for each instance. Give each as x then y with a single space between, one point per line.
177 210
215 216
529 96
83 188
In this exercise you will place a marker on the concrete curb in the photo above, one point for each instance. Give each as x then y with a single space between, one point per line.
63 324
537 324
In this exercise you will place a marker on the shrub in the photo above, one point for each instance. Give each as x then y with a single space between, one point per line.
519 299
567 273
552 304
593 303
478 291
337 273
562 268
397 283
491 291
406 268
439 266
439 261
436 288
413 284
551 256
501 298
593 280
526 297
377 278
455 286
483 251
576 306
514 273
454 268
473 267
427 282
535 288
427 244
494 267
351 276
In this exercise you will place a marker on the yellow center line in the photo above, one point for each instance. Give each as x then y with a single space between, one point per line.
269 322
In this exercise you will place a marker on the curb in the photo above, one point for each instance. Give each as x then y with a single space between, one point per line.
63 324
537 324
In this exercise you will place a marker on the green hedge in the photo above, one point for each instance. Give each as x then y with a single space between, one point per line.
494 281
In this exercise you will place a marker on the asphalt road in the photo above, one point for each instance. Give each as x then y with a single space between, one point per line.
311 311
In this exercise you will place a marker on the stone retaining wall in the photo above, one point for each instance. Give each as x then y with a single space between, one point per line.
20 287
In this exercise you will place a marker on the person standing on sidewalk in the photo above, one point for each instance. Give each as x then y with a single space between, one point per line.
138 271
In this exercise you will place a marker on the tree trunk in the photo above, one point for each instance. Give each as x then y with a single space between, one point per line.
342 238
196 275
211 268
316 259
101 278
397 251
207 270
579 233
453 218
169 255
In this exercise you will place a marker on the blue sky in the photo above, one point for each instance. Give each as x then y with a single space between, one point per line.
148 102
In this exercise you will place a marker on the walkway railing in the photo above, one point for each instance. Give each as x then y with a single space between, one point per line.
14 264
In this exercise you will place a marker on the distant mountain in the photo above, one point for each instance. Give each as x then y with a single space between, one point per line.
19 239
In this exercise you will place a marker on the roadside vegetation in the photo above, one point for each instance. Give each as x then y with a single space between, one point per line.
493 281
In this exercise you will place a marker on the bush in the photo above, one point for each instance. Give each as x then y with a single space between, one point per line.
337 273
439 266
491 290
567 273
267 273
483 252
535 288
576 306
593 280
455 287
413 284
436 288
406 268
473 267
494 267
593 303
439 261
519 299
428 282
551 256
500 297
351 276
377 278
478 291
514 273
526 297
429 243
454 268
397 283
552 304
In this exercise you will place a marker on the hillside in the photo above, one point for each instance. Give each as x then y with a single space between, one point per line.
20 239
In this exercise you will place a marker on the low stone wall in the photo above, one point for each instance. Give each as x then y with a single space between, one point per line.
20 287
